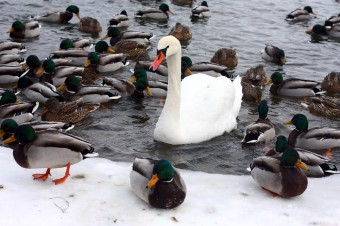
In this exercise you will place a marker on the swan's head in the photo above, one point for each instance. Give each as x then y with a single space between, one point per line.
167 46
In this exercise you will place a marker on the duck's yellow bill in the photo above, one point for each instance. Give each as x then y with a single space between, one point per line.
10 30
105 37
9 140
301 165
111 50
153 181
2 133
188 71
309 31
40 71
62 88
78 15
288 122
133 79
148 91
87 63
269 82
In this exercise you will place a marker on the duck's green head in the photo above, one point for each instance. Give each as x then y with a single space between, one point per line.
47 66
263 109
92 58
318 29
17 26
300 121
186 63
187 60
73 9
24 82
162 171
72 83
8 126
103 47
33 62
66 44
164 7
276 78
281 144
308 9
112 32
23 134
8 97
140 80
291 158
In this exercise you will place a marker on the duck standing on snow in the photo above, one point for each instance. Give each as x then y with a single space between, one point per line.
301 14
292 87
273 54
201 11
48 149
24 30
282 176
60 17
162 13
183 107
318 166
311 139
158 183
262 130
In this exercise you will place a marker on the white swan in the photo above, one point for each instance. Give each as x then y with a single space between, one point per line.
198 108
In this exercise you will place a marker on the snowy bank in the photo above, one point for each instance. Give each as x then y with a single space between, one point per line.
98 193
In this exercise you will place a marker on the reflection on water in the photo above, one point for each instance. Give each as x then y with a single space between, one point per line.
125 129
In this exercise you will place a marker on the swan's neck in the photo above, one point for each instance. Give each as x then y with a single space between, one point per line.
173 99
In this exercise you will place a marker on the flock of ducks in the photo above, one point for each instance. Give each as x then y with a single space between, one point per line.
203 101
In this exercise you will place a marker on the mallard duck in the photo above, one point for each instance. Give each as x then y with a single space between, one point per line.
8 126
273 54
74 112
319 29
201 11
20 112
103 47
76 56
262 130
67 43
318 165
282 176
48 72
24 30
324 106
10 74
39 91
117 36
12 48
255 76
221 97
292 87
183 2
158 183
333 21
226 57
331 83
311 139
106 62
73 90
11 59
120 20
60 17
301 14
181 32
162 13
89 25
48 149
250 92
8 97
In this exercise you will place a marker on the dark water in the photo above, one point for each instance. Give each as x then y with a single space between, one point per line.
125 129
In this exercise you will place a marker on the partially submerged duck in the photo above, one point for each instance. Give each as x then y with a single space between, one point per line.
319 29
162 13
301 14
120 20
262 130
48 149
292 87
226 57
158 183
60 17
273 54
311 139
318 166
24 30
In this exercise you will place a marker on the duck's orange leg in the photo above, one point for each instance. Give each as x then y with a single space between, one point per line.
272 193
329 154
63 179
42 176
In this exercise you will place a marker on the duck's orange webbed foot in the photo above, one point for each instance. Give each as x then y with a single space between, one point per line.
42 177
63 179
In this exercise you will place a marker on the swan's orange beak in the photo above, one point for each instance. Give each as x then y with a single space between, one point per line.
159 59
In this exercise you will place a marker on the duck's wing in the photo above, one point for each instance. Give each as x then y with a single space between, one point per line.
267 163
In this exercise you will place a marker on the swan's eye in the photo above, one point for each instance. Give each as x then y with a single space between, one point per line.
163 51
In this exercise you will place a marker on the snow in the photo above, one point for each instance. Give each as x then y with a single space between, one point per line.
98 193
